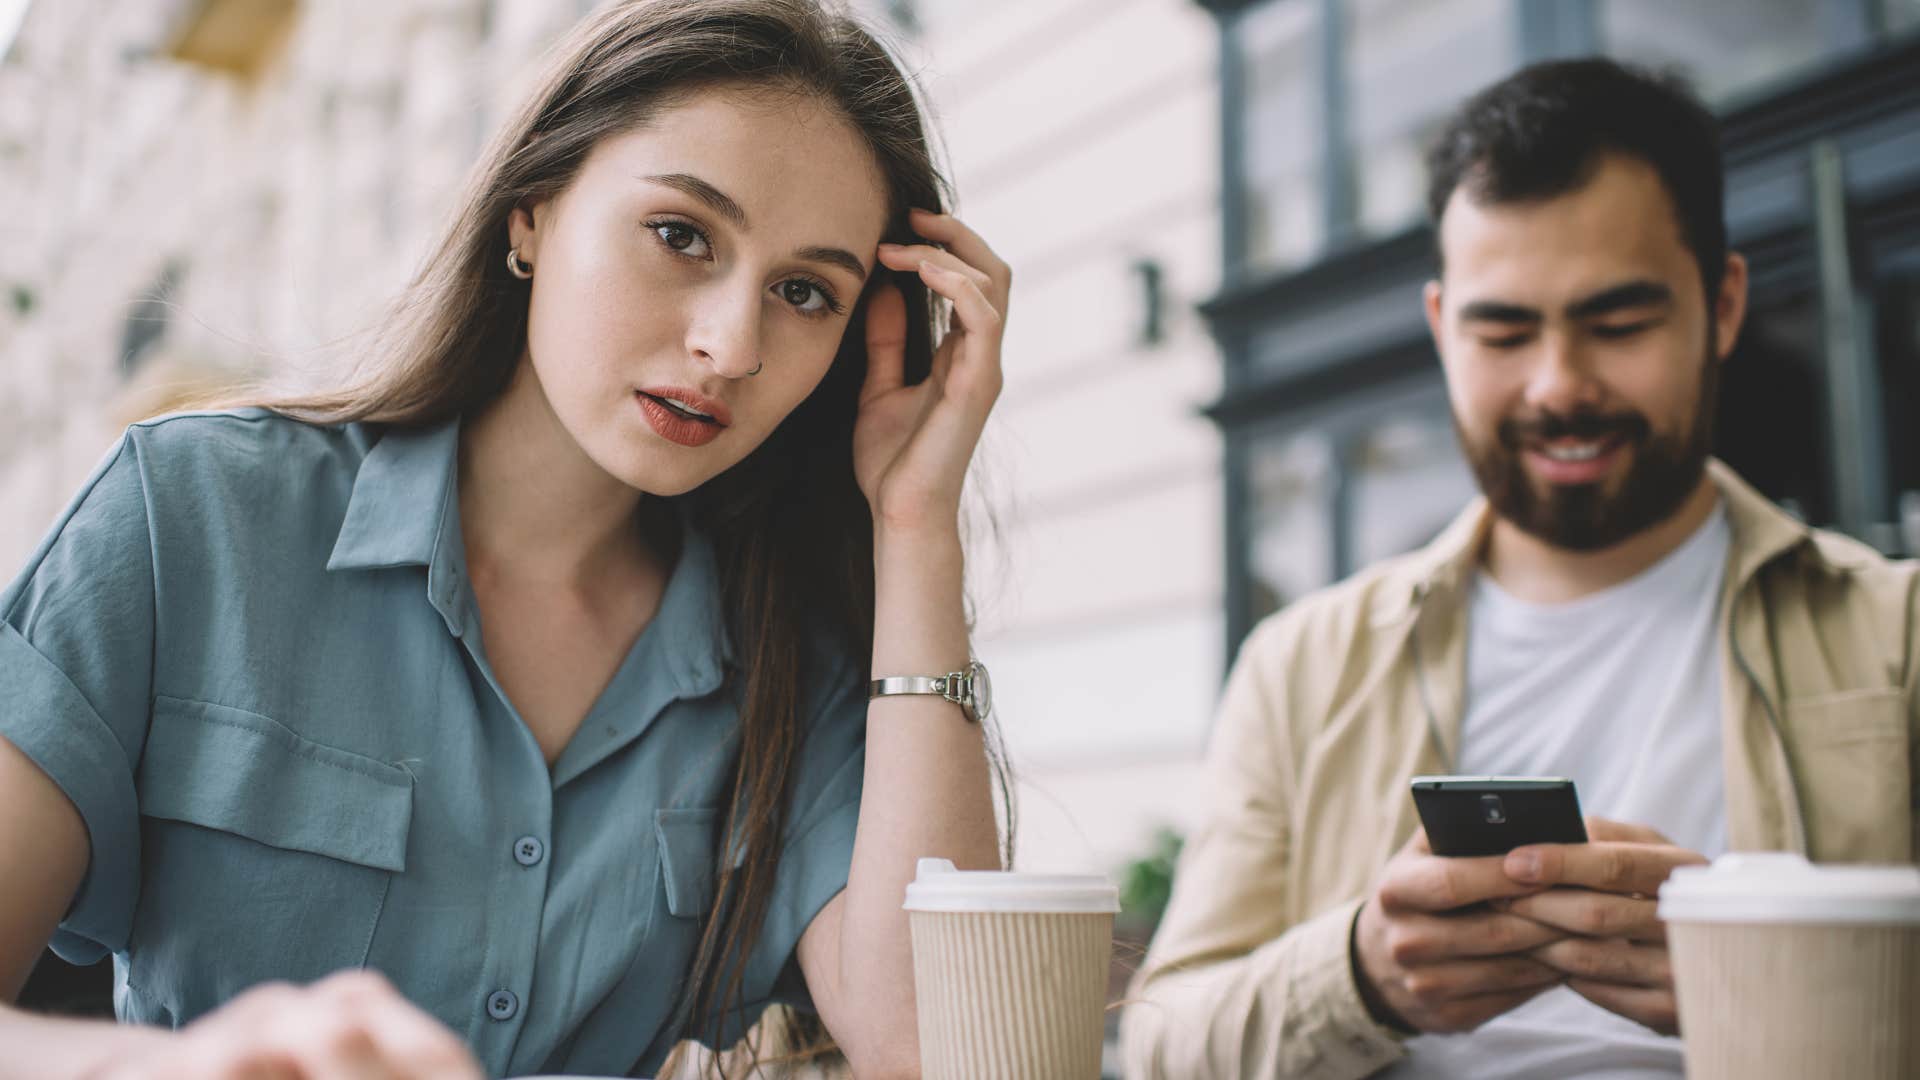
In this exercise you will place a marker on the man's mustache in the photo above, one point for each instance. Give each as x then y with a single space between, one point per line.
1518 433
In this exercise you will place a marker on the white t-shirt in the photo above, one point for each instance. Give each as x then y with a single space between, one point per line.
1620 691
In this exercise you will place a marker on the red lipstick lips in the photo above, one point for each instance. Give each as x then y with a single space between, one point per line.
682 416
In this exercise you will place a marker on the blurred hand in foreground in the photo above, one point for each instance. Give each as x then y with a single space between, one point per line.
352 1024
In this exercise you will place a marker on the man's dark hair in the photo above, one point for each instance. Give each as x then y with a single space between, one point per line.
1544 130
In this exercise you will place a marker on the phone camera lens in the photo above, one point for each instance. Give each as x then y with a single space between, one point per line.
1493 810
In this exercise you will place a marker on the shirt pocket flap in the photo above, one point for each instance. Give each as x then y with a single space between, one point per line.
686 838
1873 715
246 774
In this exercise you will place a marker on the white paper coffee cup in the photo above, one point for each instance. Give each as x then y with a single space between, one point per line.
1787 969
1010 972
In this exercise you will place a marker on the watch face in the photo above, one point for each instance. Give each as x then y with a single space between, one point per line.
982 687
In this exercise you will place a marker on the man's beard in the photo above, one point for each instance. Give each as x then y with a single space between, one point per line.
1665 471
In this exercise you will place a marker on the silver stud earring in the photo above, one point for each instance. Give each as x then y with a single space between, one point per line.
518 266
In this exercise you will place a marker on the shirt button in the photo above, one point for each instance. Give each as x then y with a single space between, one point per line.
527 850
502 1004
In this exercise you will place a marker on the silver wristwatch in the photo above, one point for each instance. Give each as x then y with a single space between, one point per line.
970 689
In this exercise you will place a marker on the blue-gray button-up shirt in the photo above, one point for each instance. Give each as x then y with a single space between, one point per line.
249 654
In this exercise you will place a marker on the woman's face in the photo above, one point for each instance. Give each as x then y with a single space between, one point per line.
691 286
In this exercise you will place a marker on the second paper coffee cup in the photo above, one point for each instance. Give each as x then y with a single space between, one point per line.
1010 972
1787 969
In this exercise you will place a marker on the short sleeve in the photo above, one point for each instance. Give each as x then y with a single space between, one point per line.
818 852
76 664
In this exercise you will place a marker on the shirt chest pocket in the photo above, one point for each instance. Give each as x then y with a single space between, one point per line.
687 839
265 855
1852 754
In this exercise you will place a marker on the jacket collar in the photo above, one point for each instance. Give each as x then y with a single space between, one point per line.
404 510
1762 532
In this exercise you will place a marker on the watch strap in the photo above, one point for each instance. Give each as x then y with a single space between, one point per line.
947 686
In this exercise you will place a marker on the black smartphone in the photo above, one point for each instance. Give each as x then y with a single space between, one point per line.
1492 815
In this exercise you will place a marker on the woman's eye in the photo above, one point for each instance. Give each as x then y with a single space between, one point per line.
684 239
806 297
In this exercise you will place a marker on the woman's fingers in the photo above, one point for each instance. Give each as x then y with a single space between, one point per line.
349 1026
949 232
910 256
886 342
981 321
407 1040
977 313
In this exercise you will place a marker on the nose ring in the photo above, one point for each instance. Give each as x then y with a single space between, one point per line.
756 369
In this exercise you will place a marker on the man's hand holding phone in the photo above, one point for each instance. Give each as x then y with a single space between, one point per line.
1432 954
1601 896
1437 947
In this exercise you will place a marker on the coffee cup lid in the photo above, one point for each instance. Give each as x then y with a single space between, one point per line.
939 887
1784 887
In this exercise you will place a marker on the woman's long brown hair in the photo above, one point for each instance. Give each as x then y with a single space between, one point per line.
791 529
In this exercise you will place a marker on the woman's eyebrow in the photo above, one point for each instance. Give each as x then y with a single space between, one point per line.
718 201
833 256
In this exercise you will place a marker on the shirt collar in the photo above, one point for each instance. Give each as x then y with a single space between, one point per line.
1761 532
689 626
402 499
404 510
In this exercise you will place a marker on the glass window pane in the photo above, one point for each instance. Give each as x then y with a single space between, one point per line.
1899 349
1772 426
1290 546
1408 481
1726 50
1902 16
1409 64
1281 133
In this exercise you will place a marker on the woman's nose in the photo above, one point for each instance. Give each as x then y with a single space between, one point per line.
725 332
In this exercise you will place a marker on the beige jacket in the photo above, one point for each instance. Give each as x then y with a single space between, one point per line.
1338 700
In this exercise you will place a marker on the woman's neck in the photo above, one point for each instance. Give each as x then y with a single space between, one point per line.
533 505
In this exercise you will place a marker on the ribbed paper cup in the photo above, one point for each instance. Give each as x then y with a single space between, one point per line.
1010 972
1788 970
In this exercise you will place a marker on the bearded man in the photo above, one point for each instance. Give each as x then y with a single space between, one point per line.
1618 608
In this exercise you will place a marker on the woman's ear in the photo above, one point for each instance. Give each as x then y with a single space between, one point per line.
523 227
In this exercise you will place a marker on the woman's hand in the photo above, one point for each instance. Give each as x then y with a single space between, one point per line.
351 1024
912 444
